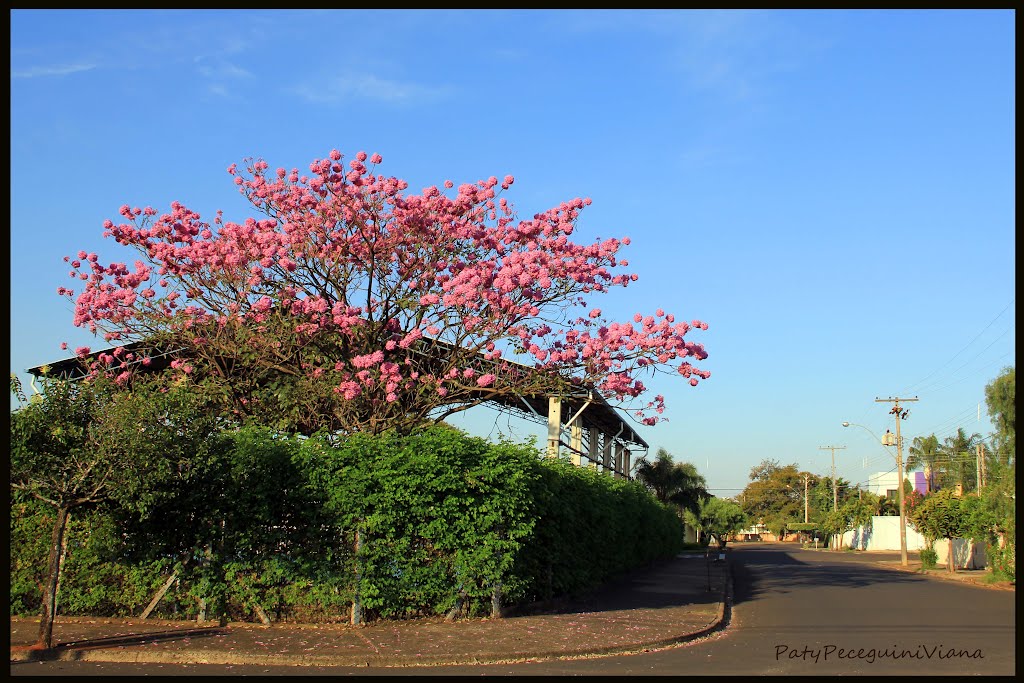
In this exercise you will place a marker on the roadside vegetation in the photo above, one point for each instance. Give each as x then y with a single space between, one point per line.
967 496
250 524
319 348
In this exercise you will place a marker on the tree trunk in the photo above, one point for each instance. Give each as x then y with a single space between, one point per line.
207 558
496 611
63 560
951 561
261 613
49 611
159 594
357 602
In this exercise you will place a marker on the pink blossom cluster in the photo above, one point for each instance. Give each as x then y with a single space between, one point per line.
342 251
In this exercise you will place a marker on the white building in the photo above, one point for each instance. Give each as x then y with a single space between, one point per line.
886 484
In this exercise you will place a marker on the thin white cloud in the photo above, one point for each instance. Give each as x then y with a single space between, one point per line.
370 87
740 53
735 53
219 74
39 71
222 69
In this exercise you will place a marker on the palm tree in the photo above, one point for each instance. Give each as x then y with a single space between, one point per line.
925 452
691 487
958 453
672 483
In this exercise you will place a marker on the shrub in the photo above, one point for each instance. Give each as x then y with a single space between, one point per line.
448 524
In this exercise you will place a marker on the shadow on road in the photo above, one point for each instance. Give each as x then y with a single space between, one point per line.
774 569
671 583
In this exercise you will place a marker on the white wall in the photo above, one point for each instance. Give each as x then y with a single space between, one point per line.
966 553
882 534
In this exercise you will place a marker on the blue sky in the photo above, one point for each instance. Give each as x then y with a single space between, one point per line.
831 191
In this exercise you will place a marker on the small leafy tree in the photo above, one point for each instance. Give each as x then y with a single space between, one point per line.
853 513
946 515
82 444
718 517
778 523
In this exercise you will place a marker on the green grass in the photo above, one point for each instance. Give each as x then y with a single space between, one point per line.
996 577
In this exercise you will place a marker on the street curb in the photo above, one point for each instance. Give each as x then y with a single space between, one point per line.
64 654
940 576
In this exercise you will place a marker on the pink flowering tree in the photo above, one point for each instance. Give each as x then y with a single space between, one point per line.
352 305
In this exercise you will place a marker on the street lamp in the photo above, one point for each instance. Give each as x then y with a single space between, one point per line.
899 487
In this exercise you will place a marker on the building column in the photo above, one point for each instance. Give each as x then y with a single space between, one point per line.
576 441
593 446
554 424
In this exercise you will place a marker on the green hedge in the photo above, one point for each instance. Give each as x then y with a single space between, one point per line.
447 524
591 527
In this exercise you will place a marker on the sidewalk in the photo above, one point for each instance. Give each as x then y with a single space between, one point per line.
652 608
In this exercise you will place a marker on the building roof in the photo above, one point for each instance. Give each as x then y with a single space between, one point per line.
596 411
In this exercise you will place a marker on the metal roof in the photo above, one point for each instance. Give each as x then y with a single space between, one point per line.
597 413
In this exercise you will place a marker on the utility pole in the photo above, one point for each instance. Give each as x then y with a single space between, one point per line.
899 470
981 467
835 491
807 478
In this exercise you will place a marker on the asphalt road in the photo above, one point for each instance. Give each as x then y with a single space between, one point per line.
795 612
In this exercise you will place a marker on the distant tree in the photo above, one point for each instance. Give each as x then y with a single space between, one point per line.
960 459
823 499
778 523
925 452
86 443
853 513
887 507
874 501
1000 398
673 483
912 500
999 492
718 517
765 470
774 496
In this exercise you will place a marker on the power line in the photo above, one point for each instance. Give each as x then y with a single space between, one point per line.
957 420
937 386
908 389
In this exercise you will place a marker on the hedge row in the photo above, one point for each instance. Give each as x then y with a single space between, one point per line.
435 523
